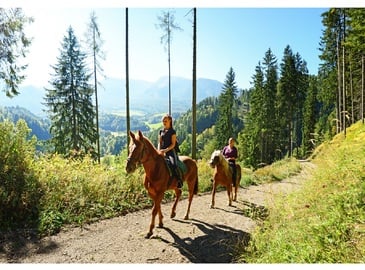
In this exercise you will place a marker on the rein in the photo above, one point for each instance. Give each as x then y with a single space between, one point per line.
139 159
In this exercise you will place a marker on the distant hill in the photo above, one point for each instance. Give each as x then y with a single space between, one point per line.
145 97
38 125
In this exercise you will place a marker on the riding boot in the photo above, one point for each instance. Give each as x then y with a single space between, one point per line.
179 178
234 178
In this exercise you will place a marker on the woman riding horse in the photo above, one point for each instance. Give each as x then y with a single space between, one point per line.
223 176
230 153
166 144
157 178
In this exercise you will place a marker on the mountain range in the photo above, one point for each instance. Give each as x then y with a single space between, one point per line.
145 97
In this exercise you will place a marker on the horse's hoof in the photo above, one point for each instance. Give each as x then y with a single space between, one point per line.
173 215
148 235
186 217
160 225
211 206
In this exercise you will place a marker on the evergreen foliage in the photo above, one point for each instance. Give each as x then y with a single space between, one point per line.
225 125
13 46
69 102
258 138
94 43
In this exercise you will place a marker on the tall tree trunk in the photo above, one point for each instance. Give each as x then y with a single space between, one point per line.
193 132
96 100
362 88
343 90
169 62
352 93
339 95
127 76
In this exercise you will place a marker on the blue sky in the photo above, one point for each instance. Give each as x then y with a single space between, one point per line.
227 37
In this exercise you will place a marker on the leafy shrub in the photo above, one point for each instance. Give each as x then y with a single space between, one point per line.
19 188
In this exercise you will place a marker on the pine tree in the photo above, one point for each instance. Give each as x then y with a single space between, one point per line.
94 44
310 116
355 42
69 101
286 101
167 24
250 138
259 135
269 98
13 46
226 102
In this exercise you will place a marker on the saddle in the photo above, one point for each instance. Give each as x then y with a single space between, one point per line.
180 165
181 169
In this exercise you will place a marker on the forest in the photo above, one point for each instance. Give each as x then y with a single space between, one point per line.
73 170
286 112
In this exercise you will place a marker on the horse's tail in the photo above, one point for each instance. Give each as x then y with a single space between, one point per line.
196 185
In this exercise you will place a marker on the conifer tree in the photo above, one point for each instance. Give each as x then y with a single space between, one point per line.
251 149
259 135
310 116
226 101
94 44
286 101
69 101
13 46
167 24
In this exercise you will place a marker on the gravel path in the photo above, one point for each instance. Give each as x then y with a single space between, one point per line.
208 237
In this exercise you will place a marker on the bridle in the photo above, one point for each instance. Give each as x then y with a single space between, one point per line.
138 160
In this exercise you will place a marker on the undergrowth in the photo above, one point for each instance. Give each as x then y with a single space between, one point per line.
324 222
46 193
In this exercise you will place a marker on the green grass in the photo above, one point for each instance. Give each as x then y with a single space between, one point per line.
324 222
79 191
49 192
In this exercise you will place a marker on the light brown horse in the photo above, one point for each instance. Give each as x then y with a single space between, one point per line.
157 176
223 176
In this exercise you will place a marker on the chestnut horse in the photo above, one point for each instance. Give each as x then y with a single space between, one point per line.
223 176
157 176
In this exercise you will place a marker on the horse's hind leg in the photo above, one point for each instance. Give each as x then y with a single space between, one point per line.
213 195
191 195
173 209
235 193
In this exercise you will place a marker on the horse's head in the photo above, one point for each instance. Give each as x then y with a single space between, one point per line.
136 151
215 158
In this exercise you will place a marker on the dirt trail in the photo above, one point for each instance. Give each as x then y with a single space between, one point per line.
207 237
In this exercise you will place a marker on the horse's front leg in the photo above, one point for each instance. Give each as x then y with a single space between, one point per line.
160 216
213 194
230 194
177 198
155 209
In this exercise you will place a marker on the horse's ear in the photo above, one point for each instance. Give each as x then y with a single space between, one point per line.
132 135
140 134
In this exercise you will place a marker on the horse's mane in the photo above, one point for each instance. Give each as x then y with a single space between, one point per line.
149 144
222 160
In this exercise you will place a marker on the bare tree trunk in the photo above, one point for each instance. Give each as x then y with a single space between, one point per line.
96 100
127 76
169 62
193 132
339 106
343 91
362 88
352 94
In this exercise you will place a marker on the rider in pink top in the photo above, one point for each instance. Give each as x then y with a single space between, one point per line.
230 153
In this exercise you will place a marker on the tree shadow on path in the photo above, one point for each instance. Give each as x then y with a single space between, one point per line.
18 244
215 246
